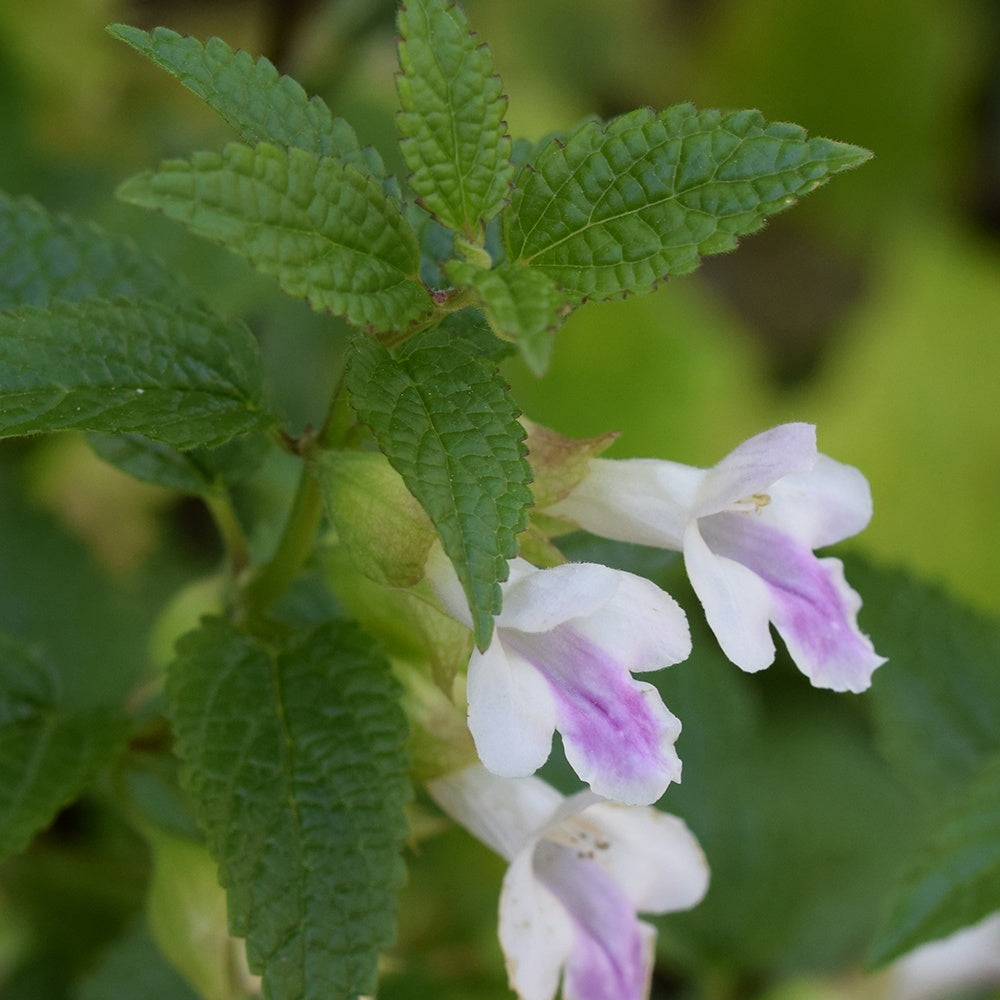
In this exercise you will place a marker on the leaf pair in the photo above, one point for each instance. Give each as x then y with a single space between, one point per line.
604 211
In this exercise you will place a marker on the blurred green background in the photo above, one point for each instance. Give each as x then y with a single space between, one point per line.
872 309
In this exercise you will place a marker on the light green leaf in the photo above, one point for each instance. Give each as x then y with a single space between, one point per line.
444 420
50 750
522 304
260 104
45 257
936 703
454 137
294 756
181 376
954 880
616 208
326 231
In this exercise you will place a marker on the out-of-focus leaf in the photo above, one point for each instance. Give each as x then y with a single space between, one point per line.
45 257
937 701
179 375
954 880
50 749
198 471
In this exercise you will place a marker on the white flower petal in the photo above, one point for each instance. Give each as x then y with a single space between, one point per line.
639 500
610 957
539 600
512 713
753 466
504 813
820 629
643 626
827 504
811 605
536 933
737 602
617 734
652 855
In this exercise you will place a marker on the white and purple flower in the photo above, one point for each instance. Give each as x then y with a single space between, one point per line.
747 528
580 870
562 654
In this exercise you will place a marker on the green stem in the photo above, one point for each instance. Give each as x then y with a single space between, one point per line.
295 546
238 552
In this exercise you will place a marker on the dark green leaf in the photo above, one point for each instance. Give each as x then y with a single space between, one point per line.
294 757
444 420
260 104
328 232
954 880
199 471
616 208
452 120
179 375
50 750
937 701
45 257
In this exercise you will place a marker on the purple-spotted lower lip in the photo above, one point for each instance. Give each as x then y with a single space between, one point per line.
607 961
616 732
812 607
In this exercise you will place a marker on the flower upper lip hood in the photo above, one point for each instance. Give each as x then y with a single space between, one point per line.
580 870
747 528
562 654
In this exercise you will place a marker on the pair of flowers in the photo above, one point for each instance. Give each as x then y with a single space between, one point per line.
566 644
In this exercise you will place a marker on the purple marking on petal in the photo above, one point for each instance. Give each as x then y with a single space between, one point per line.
618 738
608 960
814 610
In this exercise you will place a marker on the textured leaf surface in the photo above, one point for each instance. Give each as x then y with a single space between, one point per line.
615 208
955 879
937 703
326 231
49 750
250 94
444 420
294 757
181 376
452 120
44 257
523 305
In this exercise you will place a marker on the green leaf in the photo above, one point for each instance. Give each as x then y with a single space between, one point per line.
522 304
616 208
134 966
179 375
50 750
199 471
260 104
444 420
454 137
936 703
326 231
954 880
294 757
45 257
